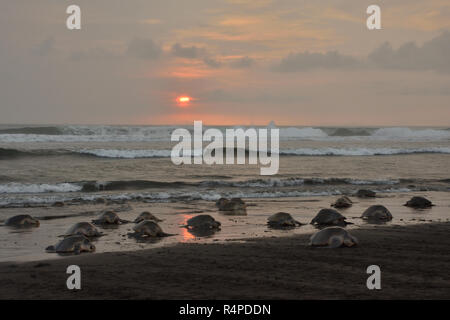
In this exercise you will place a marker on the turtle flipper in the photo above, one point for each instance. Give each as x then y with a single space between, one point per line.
136 235
298 223
50 249
163 234
77 249
124 221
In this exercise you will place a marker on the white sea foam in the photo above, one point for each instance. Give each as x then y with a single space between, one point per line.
153 153
291 182
160 196
302 133
361 151
169 196
126 154
411 133
38 188
163 133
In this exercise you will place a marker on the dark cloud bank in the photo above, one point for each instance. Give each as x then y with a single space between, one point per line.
432 55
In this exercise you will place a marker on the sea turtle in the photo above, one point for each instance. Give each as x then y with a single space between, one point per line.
83 228
333 237
109 217
203 221
282 220
363 193
221 202
22 221
342 202
146 216
202 226
329 217
147 228
58 204
73 244
378 213
234 206
419 202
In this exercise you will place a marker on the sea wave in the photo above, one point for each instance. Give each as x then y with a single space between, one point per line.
16 201
291 182
153 153
15 187
126 154
6 154
361 151
155 197
122 185
163 133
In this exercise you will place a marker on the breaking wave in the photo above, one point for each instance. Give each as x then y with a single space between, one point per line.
14 187
170 196
121 185
163 133
164 153
361 151
126 154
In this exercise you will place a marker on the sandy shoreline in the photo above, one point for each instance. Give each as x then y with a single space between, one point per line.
413 259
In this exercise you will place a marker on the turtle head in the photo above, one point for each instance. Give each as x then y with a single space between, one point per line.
350 241
87 246
31 222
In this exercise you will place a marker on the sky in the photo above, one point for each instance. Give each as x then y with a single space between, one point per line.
245 62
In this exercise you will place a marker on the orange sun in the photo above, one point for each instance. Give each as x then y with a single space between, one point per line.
183 101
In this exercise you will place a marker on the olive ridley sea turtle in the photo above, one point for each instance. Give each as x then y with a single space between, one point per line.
333 237
378 213
83 228
234 206
203 221
109 217
146 216
148 228
22 221
72 244
419 203
329 217
282 220
342 202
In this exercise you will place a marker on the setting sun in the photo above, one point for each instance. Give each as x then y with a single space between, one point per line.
184 99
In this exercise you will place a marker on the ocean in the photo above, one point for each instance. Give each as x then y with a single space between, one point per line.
128 168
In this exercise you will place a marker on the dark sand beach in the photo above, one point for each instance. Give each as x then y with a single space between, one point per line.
412 259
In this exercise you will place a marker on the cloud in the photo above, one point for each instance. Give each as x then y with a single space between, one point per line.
306 61
252 96
242 63
187 52
45 47
144 49
212 63
93 54
432 55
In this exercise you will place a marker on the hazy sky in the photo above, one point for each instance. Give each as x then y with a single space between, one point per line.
242 61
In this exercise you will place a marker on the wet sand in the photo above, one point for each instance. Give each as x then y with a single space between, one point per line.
29 244
414 263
